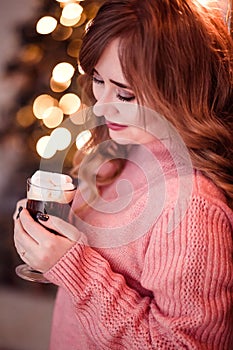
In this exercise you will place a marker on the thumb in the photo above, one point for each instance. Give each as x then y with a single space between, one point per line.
60 227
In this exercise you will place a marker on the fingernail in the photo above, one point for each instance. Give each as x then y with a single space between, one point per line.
19 211
42 217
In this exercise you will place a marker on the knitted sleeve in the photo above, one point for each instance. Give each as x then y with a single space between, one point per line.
189 273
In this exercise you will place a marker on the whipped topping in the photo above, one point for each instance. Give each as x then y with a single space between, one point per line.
51 187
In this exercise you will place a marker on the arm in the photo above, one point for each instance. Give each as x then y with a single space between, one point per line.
189 272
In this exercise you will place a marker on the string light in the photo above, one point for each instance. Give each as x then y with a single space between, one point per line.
31 54
25 116
74 47
79 117
72 11
61 137
53 117
63 72
50 110
41 104
62 33
69 22
69 103
46 25
45 147
59 87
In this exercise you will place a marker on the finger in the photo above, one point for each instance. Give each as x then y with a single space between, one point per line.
62 227
20 203
32 228
22 238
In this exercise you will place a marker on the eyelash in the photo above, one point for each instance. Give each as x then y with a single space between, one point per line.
97 81
121 98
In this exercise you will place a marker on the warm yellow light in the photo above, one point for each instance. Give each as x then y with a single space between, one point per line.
59 87
25 116
70 103
81 21
45 147
80 117
67 22
46 25
74 48
62 33
61 137
63 72
31 54
41 104
53 117
83 138
72 10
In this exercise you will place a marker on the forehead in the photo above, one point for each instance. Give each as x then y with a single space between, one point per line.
109 63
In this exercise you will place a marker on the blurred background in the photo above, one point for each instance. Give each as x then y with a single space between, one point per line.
41 124
39 95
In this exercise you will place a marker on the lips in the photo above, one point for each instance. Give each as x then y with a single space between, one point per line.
115 126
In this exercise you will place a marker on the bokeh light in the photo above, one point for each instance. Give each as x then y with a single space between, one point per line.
70 103
72 11
74 47
81 21
61 137
46 25
59 87
63 72
41 104
62 33
53 117
25 116
31 54
69 22
80 117
45 147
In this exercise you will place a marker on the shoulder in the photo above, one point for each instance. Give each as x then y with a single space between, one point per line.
195 203
206 193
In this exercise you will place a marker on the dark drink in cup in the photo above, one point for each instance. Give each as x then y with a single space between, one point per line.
47 193
50 193
51 208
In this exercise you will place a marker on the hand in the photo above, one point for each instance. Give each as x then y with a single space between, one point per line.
38 247
20 204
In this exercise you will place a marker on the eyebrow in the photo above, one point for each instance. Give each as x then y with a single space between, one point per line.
123 86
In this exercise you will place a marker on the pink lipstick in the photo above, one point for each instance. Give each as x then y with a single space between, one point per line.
115 126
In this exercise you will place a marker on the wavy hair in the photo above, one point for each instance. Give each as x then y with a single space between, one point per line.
177 56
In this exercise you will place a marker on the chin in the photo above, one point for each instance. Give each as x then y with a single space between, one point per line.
123 141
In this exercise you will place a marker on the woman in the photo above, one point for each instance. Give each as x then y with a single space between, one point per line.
146 261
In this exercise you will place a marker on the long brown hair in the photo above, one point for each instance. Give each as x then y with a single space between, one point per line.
177 56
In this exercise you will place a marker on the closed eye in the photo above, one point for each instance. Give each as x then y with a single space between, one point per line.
121 94
97 81
125 99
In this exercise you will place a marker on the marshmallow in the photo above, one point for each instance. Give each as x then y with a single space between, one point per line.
51 187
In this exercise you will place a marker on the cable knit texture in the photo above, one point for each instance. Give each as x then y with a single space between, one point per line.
164 289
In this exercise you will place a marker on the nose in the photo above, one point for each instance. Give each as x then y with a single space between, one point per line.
105 106
104 109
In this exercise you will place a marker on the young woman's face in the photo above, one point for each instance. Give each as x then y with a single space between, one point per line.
116 101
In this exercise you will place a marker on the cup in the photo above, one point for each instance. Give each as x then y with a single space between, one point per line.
50 200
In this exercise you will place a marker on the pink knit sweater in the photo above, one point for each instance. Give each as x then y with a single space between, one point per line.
142 284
